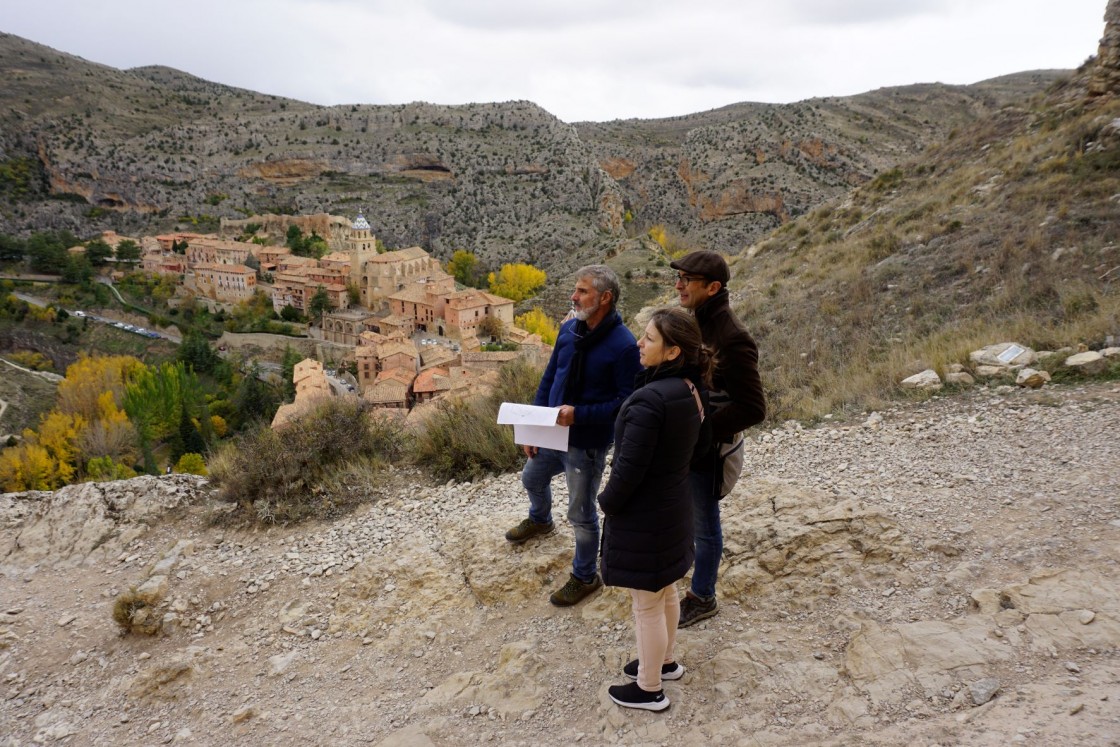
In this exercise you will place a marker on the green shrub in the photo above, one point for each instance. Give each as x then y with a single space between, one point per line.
288 474
462 440
190 464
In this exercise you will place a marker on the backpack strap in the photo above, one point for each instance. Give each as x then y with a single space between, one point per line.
696 396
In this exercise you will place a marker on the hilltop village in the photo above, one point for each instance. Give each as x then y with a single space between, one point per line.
396 318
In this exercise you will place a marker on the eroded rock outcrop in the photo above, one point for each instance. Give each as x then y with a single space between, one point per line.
1105 75
90 522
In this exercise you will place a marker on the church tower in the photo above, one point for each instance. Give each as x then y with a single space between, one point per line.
361 245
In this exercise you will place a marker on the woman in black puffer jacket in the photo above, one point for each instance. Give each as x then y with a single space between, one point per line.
647 530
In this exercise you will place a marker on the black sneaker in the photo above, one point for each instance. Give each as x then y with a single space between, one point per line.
528 529
574 591
695 609
670 671
632 696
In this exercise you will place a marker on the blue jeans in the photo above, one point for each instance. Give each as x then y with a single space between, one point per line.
583 469
707 535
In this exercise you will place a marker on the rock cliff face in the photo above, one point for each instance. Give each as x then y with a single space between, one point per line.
1105 76
152 149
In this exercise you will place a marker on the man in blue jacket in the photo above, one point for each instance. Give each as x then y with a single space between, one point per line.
590 373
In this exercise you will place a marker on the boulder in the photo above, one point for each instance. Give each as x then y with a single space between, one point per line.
927 380
1089 363
1032 379
1004 355
960 378
788 538
1111 352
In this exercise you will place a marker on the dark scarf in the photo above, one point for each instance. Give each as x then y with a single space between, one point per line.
585 340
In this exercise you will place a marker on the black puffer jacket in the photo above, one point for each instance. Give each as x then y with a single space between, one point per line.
647 530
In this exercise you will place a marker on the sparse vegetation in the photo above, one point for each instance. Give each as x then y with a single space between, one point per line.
462 439
289 474
1011 245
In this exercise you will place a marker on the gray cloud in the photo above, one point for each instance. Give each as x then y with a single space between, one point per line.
580 59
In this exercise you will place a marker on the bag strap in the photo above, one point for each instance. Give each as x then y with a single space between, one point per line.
696 396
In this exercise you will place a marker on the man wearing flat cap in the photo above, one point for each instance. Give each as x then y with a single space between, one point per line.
737 403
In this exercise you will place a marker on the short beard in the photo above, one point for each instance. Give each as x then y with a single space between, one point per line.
582 314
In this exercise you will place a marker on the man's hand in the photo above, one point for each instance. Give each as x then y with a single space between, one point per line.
530 451
566 416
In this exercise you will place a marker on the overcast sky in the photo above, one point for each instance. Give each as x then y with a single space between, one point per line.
579 59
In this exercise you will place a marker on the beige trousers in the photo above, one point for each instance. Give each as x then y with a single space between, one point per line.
656 614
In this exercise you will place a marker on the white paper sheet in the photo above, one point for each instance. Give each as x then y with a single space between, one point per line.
534 426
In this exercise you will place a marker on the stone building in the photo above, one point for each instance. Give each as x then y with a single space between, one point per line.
377 354
210 250
378 276
345 326
297 286
271 256
224 282
312 388
465 310
391 389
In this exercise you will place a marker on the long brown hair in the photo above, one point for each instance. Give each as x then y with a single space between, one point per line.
677 327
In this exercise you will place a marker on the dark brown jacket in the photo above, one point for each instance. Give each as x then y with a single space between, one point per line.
736 396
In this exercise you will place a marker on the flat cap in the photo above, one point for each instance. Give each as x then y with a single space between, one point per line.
704 262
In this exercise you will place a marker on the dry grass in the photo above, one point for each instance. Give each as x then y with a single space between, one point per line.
1004 233
462 439
319 465
136 612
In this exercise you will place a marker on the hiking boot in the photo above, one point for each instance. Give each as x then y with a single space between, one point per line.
670 671
632 696
528 529
694 609
574 591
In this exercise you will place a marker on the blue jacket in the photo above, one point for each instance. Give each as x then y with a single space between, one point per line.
609 368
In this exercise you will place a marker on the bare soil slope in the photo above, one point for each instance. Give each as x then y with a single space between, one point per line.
939 573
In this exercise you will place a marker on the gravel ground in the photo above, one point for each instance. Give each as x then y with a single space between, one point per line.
411 622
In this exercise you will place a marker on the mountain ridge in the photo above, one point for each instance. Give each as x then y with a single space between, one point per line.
155 148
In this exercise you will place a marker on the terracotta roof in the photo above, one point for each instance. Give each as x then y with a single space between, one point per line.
432 380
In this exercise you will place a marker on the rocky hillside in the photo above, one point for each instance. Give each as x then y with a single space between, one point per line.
1007 229
933 574
723 178
86 147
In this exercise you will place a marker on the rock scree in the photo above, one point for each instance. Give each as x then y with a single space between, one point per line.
942 572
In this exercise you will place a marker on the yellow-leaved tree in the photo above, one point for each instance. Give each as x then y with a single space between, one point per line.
87 425
517 281
218 425
537 322
46 460
191 464
59 434
111 435
26 467
91 376
674 245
